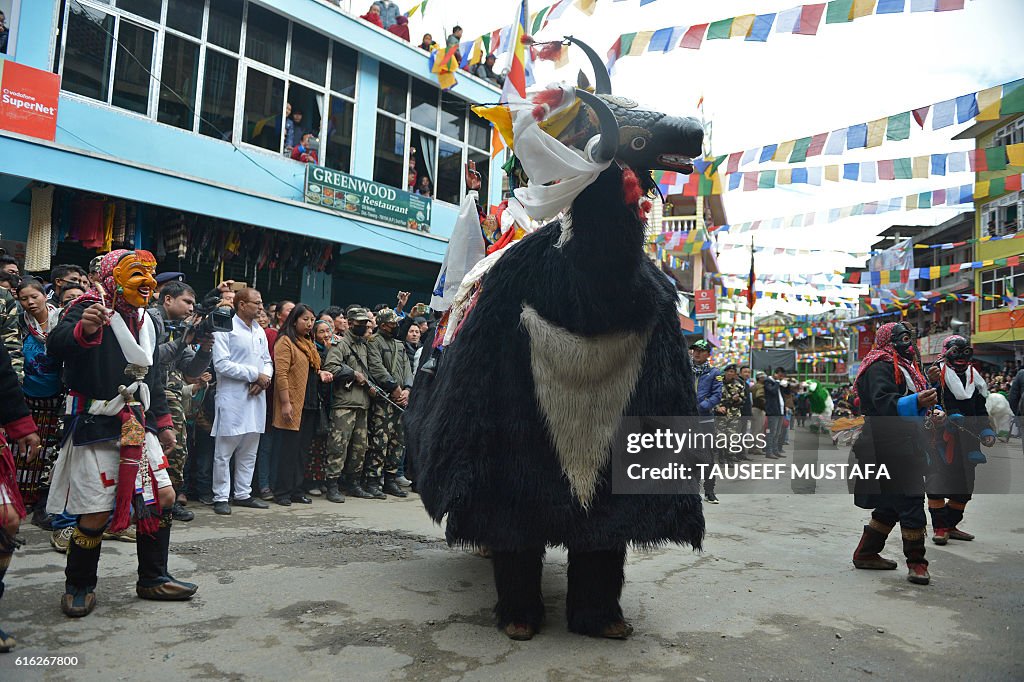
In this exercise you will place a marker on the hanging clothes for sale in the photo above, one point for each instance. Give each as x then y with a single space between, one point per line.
37 252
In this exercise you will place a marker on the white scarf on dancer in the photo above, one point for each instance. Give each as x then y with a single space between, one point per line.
136 353
963 391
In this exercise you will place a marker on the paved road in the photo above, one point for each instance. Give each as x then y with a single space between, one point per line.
368 590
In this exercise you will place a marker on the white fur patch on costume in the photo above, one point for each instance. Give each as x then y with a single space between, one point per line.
582 385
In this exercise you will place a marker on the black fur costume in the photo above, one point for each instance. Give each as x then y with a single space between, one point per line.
478 441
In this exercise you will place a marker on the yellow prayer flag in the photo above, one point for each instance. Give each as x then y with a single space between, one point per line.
716 184
911 202
883 277
986 263
477 55
785 177
862 8
446 80
832 173
1015 154
586 6
741 26
981 188
876 131
640 43
784 151
921 167
933 272
988 103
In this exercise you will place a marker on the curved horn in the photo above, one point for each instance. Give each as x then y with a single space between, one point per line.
604 81
609 143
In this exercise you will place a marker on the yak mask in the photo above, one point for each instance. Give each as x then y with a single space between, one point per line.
134 282
958 352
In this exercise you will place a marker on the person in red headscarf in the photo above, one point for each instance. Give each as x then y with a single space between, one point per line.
119 431
894 398
373 16
401 27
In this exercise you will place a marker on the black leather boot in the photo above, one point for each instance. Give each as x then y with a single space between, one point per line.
351 487
80 574
333 494
391 487
7 547
155 582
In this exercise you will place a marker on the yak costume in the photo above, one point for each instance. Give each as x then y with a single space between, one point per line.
559 334
956 444
111 458
888 384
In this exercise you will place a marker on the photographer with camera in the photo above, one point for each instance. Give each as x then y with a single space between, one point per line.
178 328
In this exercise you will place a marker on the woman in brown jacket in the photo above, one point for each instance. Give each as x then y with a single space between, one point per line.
296 377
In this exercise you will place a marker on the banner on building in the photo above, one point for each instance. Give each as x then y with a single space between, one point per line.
704 304
28 100
348 194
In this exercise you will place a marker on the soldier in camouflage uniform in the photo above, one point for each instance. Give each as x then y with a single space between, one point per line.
348 362
390 371
9 330
181 365
734 397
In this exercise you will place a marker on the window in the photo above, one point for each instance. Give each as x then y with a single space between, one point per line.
309 55
148 57
225 24
132 67
180 74
305 105
1003 216
1000 282
263 111
186 16
337 152
390 150
218 107
88 52
435 128
266 37
147 9
1012 133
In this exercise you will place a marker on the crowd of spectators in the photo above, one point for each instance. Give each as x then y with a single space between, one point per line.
329 379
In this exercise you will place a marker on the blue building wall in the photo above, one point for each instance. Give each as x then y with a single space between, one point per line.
114 152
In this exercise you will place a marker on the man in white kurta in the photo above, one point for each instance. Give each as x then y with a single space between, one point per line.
242 361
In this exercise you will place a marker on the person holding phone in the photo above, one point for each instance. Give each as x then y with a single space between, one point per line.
894 399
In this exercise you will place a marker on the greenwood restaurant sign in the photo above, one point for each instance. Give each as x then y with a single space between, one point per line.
348 194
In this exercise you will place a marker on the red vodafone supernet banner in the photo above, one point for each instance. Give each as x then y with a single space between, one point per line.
28 100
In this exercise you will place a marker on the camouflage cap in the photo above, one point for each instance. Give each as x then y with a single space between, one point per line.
386 315
358 315
701 344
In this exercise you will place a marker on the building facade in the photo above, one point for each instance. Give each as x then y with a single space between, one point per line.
175 130
998 328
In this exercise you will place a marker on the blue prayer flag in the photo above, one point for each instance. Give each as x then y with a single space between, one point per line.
767 152
942 114
761 28
938 164
661 39
966 108
851 171
799 175
890 6
857 136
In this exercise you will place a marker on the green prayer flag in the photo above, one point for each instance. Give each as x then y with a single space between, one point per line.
898 127
1013 98
766 180
838 12
720 29
997 186
626 42
924 200
538 21
902 169
715 164
704 186
487 42
800 150
995 157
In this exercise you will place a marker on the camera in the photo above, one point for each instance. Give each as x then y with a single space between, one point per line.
214 317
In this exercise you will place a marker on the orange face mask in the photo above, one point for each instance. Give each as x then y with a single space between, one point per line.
134 278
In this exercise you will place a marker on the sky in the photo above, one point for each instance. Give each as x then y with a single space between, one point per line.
789 87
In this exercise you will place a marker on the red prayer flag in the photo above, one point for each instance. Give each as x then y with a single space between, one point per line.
810 17
886 170
1013 183
979 162
948 5
955 267
694 36
1013 261
733 164
817 144
920 115
750 181
690 188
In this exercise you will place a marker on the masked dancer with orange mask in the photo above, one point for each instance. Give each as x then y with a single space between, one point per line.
118 432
